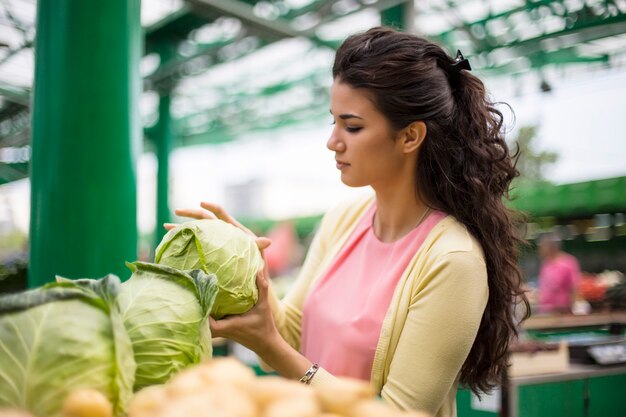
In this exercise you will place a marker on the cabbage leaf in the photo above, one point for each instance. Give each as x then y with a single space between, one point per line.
165 312
61 337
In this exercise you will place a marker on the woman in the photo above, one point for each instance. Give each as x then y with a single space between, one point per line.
413 288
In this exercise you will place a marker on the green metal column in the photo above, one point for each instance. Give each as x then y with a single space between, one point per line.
162 138
86 133
400 16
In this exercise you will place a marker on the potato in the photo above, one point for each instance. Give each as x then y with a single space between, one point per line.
342 394
148 402
87 403
14 412
293 407
267 390
232 401
191 406
188 382
226 371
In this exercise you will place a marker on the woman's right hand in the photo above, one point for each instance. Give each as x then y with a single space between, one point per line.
197 214
214 211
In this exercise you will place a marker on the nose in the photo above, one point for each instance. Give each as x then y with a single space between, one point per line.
334 143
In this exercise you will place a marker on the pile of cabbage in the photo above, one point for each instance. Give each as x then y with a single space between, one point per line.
117 338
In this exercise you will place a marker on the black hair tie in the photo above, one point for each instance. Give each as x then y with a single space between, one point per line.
454 70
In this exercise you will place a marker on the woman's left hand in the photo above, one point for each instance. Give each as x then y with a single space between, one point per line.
254 329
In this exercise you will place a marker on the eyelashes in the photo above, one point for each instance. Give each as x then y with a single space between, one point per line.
348 129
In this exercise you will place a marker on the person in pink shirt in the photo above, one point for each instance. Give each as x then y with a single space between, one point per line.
559 276
411 288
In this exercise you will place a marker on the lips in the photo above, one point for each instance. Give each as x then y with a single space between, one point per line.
341 165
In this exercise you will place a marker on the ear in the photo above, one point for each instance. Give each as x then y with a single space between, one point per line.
413 136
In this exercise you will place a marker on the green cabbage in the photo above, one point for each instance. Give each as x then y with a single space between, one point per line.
165 312
217 248
61 337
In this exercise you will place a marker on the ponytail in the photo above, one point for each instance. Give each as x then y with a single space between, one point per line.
471 185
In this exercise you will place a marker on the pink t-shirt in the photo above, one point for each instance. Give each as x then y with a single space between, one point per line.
557 279
343 314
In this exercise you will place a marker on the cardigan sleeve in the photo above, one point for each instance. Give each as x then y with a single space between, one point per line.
440 328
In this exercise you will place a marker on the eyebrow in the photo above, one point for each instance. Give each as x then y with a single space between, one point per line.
347 116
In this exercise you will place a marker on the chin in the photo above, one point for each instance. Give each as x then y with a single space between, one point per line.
352 183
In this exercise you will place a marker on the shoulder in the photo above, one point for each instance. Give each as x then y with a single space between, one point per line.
450 238
451 256
451 264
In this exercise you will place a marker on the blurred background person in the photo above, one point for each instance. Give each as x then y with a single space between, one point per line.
559 276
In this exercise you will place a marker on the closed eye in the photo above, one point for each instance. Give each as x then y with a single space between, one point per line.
349 129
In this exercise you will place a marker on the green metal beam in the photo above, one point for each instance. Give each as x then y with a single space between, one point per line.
175 26
398 16
318 7
15 94
11 130
12 172
162 138
221 134
583 23
17 139
276 29
580 33
167 75
241 99
15 51
12 110
85 139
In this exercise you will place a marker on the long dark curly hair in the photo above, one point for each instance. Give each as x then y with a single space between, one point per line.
464 167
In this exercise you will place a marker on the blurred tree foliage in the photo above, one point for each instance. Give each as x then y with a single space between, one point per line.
531 162
12 242
13 261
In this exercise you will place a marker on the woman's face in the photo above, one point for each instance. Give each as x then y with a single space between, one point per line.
362 139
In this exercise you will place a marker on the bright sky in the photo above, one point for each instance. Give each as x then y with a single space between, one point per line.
581 119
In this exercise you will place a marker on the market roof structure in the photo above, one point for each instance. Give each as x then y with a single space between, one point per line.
234 66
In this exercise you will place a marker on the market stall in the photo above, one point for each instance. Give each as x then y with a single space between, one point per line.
577 367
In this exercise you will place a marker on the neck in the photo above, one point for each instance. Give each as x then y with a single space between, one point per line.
398 211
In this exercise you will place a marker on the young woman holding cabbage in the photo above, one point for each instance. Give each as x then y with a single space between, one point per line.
413 288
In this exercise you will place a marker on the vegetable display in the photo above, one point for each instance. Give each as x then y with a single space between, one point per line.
219 248
64 336
165 312
226 388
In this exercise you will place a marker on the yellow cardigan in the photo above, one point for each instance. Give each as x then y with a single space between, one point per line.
431 322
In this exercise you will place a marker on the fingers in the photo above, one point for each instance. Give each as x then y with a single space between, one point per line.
225 327
197 214
263 243
263 284
221 214
169 226
216 327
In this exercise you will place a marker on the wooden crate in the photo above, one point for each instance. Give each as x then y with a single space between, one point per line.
541 362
